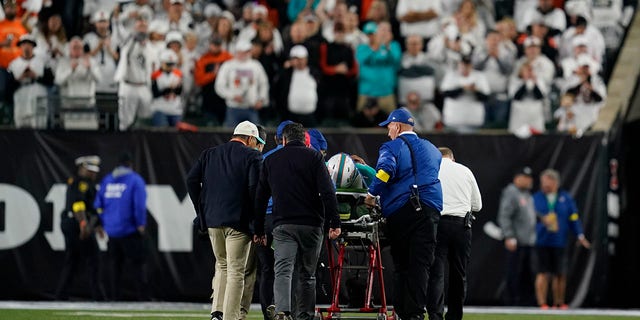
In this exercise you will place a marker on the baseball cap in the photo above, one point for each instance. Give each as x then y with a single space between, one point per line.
100 15
370 28
27 38
168 56
399 115
298 51
580 40
243 46
281 128
91 163
174 36
212 10
248 129
317 140
524 171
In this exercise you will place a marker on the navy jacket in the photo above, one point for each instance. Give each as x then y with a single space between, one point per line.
303 193
394 175
222 185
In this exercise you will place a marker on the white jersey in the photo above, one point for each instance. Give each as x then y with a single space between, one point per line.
465 110
27 112
105 62
136 63
171 105
79 82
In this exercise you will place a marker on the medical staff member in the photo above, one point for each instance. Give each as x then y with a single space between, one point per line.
411 212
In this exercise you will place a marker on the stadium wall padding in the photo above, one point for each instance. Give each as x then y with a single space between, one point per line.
35 165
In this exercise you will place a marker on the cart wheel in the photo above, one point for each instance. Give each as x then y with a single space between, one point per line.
381 316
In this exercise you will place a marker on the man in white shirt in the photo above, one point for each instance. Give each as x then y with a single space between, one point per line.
243 83
419 17
103 51
297 89
461 197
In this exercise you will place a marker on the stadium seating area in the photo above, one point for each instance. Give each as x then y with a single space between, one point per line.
527 66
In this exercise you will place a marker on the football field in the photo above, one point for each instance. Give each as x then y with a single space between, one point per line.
19 310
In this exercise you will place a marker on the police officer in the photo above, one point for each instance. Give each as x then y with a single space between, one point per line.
78 223
461 197
411 200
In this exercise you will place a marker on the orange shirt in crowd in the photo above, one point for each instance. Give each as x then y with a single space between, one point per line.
203 74
9 29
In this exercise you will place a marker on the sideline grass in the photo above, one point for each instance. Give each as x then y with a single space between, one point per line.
18 314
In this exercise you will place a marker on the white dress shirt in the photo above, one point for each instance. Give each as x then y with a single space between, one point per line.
460 192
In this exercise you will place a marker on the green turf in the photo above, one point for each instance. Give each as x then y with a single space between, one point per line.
6 314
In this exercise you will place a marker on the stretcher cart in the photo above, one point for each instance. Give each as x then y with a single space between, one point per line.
359 231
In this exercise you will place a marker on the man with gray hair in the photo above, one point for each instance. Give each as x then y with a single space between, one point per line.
557 214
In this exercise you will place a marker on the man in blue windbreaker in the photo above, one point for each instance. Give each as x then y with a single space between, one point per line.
557 214
411 200
122 206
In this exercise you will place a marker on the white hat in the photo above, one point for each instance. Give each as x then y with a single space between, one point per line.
100 15
212 10
27 38
168 56
177 1
243 45
158 26
580 40
298 51
532 41
247 128
174 36
229 16
91 163
259 9
451 31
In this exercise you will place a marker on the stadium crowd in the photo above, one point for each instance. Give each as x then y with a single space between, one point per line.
460 65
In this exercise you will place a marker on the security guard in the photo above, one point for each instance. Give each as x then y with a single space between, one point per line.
79 221
411 200
461 197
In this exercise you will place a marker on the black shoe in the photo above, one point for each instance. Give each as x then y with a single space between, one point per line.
216 315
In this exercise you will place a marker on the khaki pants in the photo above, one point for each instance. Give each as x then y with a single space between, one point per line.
231 248
250 272
386 103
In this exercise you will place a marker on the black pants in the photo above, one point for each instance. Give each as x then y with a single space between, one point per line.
520 277
132 248
412 241
453 248
265 268
78 252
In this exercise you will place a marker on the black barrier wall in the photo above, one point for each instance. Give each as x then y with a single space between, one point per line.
35 165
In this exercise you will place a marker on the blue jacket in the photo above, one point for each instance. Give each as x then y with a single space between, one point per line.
378 69
394 175
270 152
122 202
222 185
567 214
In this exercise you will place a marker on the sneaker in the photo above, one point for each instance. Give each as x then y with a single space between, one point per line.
563 306
271 312
544 307
216 315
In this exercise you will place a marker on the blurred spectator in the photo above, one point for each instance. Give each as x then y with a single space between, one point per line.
224 30
207 27
370 116
131 12
11 29
77 74
177 18
190 55
260 20
339 71
297 89
565 115
418 73
297 35
206 71
528 94
134 76
243 83
448 47
51 39
543 68
496 61
470 26
166 86
465 90
545 13
353 36
158 31
507 28
570 64
537 28
298 8
314 39
263 52
610 17
520 9
174 42
103 51
246 17
419 17
30 75
328 19
425 114
590 93
596 43
378 12
378 61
